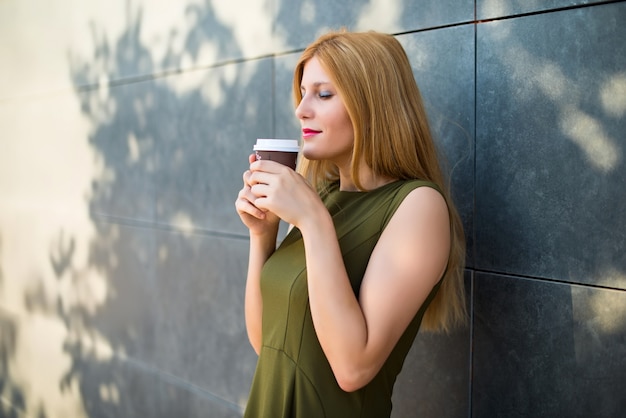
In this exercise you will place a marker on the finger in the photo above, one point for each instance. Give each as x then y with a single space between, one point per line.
267 166
260 177
248 195
251 178
251 158
262 203
244 206
246 177
259 190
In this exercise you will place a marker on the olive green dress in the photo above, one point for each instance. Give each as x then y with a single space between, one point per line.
293 377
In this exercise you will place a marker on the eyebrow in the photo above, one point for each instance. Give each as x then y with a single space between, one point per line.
317 84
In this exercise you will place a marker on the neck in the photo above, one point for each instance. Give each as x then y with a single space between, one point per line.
368 181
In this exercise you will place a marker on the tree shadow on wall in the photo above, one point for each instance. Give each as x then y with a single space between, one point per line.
171 155
172 146
165 337
11 394
12 397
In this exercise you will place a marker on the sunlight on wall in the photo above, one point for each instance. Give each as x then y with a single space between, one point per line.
308 11
380 15
34 63
610 311
609 305
251 23
213 87
105 108
213 84
46 231
183 223
600 314
133 148
495 8
40 364
613 95
585 131
109 393
163 26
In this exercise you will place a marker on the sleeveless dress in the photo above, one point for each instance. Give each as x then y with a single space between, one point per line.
293 378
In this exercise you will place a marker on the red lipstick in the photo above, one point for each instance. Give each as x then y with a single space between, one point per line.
308 133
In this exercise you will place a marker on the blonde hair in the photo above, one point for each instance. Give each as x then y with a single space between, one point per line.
391 136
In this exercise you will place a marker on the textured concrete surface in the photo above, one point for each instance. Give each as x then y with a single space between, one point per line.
124 131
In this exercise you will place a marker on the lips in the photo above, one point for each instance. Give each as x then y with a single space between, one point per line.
307 133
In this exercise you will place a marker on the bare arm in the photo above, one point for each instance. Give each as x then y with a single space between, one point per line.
261 247
357 335
263 227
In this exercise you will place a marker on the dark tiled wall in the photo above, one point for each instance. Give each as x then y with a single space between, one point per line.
549 302
547 349
527 100
528 106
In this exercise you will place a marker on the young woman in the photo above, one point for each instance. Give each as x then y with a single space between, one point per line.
376 247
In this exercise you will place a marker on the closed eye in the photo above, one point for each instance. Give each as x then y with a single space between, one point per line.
318 87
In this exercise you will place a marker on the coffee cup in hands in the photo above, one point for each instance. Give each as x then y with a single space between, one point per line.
284 151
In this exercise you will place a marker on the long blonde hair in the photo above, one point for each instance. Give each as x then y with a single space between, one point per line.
391 136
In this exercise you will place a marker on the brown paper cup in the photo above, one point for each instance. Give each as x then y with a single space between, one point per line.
284 151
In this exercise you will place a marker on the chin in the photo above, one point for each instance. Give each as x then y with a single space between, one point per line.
310 154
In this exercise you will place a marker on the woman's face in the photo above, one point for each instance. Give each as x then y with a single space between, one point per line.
326 127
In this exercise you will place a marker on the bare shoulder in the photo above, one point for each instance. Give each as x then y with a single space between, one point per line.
423 204
417 238
408 260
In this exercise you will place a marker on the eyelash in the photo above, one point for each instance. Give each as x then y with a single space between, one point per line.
324 95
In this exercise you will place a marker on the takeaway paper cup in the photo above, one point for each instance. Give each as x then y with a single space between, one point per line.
284 151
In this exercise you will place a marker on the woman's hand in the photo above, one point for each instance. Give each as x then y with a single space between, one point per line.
258 221
280 190
263 226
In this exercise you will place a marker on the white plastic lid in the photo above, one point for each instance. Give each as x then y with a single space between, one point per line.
285 145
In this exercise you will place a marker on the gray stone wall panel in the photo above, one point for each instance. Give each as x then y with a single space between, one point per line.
550 146
443 66
300 22
547 349
490 9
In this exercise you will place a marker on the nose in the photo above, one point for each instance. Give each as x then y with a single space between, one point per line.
303 110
